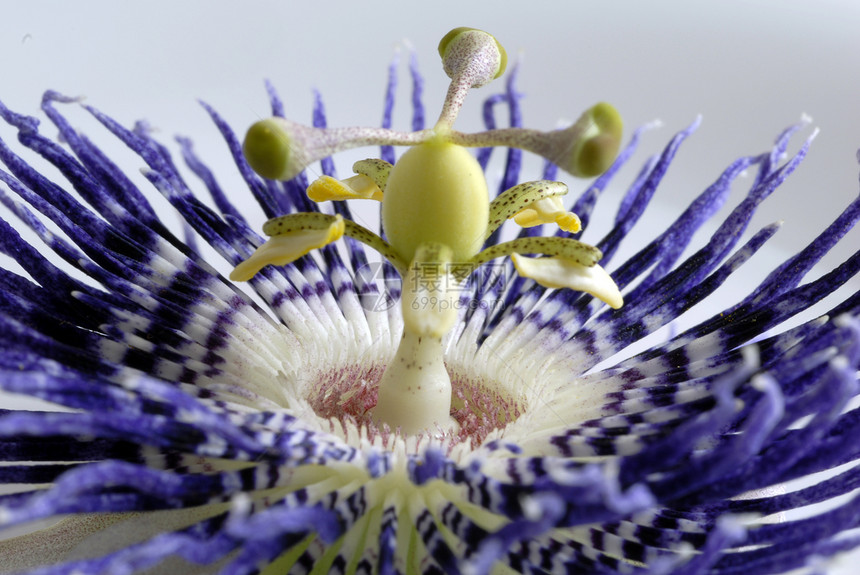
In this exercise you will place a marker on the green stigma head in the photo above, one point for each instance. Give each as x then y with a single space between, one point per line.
463 47
597 147
267 149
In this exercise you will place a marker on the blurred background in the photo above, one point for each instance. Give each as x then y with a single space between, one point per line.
749 68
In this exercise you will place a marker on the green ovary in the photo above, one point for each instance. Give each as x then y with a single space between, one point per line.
436 193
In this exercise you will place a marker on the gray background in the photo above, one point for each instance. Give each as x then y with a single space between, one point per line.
750 68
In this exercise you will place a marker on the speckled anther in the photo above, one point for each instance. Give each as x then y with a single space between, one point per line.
293 237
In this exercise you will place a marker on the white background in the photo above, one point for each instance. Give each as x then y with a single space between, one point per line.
750 68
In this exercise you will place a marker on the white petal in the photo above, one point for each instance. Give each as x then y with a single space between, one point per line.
560 273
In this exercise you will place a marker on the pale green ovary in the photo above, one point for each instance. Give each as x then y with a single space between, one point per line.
436 193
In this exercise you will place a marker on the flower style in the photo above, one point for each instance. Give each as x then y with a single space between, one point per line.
206 427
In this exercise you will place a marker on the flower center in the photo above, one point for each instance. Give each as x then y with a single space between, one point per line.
347 395
436 217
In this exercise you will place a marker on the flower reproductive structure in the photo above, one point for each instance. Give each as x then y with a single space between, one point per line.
200 425
437 215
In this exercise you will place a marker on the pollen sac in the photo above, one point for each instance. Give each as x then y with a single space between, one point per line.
472 51
548 211
359 187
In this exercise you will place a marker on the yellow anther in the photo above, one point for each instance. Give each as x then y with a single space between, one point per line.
287 247
358 187
563 273
548 211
